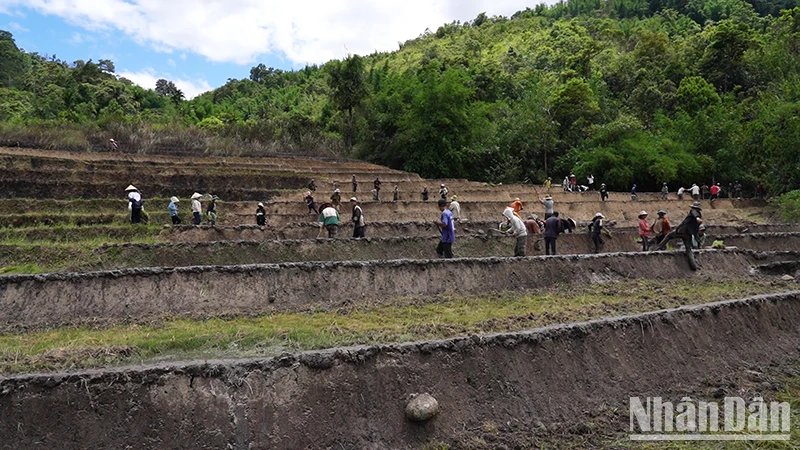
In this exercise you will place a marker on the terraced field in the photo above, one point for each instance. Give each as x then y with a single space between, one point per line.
240 336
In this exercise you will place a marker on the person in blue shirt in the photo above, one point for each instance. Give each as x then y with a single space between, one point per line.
633 193
447 227
173 210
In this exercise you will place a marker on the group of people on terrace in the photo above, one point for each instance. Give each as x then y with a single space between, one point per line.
704 192
138 214
653 235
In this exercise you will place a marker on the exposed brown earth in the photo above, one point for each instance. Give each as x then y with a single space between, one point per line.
228 252
514 390
132 295
565 384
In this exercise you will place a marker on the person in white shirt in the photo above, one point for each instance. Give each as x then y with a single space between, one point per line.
695 192
197 208
455 208
518 230
135 203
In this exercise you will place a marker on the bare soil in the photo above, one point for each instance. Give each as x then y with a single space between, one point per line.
79 258
564 385
132 295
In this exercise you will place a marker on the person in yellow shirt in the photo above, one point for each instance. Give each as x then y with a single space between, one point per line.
547 183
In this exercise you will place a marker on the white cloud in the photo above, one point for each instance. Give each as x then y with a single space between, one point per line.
147 79
171 62
302 31
14 26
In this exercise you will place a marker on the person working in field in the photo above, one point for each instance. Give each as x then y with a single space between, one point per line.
197 208
455 208
173 210
135 203
329 219
359 223
517 206
261 215
549 206
518 230
447 227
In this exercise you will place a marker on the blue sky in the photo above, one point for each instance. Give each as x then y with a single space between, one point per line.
199 44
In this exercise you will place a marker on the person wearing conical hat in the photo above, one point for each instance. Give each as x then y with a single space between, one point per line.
261 215
359 224
197 208
443 191
644 230
455 208
173 210
549 206
336 199
661 227
135 203
596 229
687 231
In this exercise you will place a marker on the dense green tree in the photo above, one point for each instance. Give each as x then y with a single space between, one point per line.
12 60
166 88
723 62
348 89
632 91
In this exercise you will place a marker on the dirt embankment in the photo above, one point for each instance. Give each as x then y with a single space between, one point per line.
133 295
310 230
400 248
621 213
509 389
121 256
36 158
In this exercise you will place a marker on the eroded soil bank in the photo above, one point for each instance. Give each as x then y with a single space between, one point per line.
308 230
132 295
121 256
524 384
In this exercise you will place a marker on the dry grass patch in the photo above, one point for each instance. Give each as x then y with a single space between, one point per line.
401 321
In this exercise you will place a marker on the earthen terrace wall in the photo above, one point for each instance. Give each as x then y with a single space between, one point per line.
133 295
354 397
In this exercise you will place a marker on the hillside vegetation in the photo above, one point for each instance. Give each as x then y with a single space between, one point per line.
630 91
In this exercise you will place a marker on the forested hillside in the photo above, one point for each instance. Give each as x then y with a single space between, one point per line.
631 91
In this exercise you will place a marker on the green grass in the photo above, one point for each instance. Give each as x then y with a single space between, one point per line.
79 234
403 321
27 268
790 393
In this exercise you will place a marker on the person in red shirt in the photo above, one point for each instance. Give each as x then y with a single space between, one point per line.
533 225
644 230
715 191
661 226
